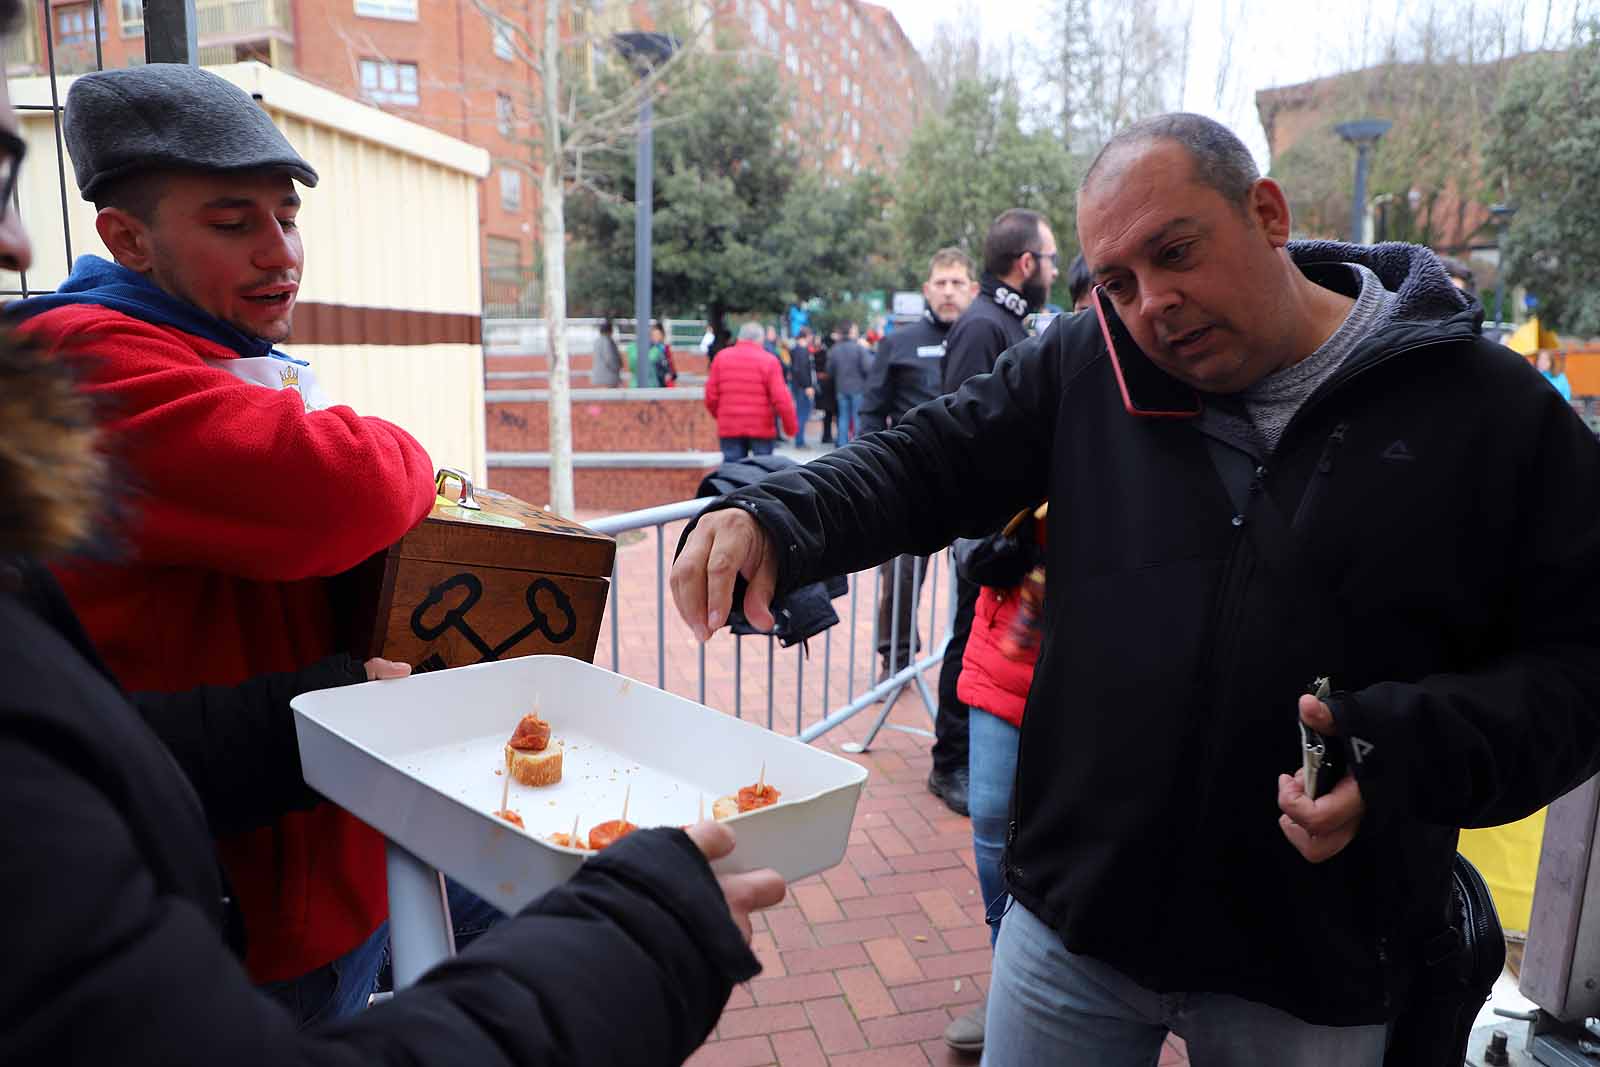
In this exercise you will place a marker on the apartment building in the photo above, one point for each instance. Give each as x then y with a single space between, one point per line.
859 87
460 67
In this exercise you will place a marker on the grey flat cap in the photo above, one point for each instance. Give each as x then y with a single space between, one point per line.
169 116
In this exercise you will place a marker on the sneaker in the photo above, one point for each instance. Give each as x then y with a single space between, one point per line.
965 1033
950 787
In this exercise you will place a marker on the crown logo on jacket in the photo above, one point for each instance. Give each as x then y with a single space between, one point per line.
290 377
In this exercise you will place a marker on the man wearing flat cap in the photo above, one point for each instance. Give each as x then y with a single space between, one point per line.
246 488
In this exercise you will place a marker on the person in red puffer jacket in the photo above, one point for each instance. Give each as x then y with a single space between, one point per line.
745 392
996 674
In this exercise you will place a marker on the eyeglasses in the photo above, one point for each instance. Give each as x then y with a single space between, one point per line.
12 149
1053 257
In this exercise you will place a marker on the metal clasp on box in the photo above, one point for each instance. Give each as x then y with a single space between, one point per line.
466 499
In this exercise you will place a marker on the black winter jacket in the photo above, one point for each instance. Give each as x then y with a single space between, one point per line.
1445 508
112 910
991 324
909 371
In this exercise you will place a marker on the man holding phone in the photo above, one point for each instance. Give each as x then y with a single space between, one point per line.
1268 462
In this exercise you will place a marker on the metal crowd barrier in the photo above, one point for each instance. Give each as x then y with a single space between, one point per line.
836 691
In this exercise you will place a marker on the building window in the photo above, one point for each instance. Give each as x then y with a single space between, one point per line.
75 27
505 113
792 59
844 86
504 46
404 10
855 95
789 18
855 129
503 253
383 82
510 189
132 13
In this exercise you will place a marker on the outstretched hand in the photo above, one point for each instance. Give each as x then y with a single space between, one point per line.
746 892
1319 829
724 545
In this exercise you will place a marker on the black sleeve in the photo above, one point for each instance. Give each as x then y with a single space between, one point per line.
878 404
973 345
957 466
1494 744
237 743
629 963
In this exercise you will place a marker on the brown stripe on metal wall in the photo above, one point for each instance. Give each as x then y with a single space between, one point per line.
344 324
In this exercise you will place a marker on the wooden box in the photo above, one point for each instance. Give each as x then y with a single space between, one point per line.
484 577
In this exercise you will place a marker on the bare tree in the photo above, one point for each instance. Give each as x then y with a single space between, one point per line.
1115 64
955 54
571 122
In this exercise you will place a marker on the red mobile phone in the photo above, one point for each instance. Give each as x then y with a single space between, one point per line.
1145 373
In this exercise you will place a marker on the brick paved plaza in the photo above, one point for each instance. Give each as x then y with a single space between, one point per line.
866 963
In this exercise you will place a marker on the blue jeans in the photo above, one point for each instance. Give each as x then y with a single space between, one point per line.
1048 1005
849 410
340 989
335 990
991 768
736 448
802 412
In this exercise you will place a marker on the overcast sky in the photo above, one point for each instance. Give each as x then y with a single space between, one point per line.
1275 42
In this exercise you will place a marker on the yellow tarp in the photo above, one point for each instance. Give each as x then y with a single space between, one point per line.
1508 858
1530 337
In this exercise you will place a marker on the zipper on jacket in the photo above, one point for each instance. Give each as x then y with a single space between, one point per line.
1319 476
1383 969
1220 640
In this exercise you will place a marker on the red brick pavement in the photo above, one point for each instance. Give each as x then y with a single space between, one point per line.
864 964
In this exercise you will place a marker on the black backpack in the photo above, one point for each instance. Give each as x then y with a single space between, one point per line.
1459 968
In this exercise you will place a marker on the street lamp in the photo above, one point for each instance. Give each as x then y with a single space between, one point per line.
1364 134
1501 214
643 52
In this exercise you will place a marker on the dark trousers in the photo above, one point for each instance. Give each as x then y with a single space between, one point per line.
802 412
907 642
736 448
827 426
950 724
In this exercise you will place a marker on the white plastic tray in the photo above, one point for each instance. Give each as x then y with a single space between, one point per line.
416 759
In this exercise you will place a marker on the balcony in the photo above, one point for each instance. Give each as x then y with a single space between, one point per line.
231 30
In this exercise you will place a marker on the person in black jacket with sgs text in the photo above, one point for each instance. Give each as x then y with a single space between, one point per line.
908 371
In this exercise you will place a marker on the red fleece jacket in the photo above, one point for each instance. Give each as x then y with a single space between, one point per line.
239 504
745 392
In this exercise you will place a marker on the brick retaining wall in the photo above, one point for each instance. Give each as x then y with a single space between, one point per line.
608 420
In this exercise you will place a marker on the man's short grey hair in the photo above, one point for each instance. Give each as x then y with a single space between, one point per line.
752 331
1221 160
